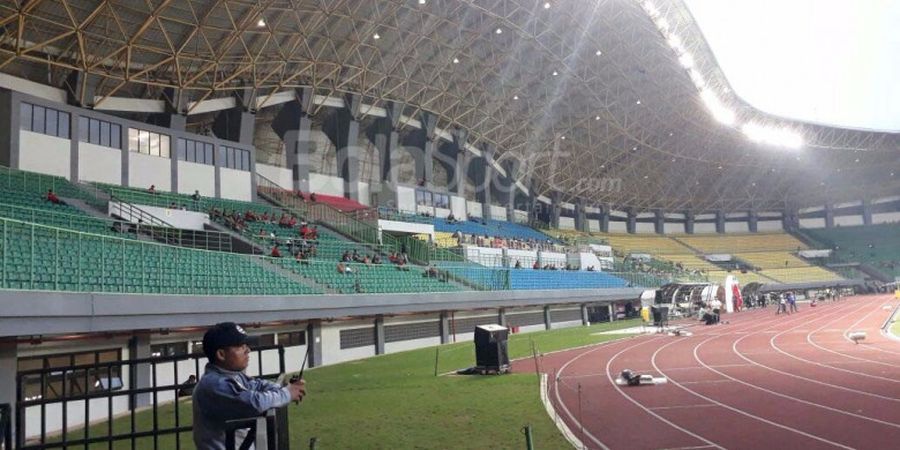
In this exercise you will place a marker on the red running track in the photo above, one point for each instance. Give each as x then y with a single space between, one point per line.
761 381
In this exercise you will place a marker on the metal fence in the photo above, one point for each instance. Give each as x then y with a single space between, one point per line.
74 390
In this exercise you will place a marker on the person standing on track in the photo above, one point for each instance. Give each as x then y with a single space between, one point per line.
782 305
792 302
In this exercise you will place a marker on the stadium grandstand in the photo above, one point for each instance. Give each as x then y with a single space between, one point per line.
352 179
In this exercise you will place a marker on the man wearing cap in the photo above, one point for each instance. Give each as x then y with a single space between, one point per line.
225 392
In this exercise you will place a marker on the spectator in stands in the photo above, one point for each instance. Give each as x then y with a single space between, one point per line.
346 257
196 196
518 264
52 198
275 252
173 205
249 216
314 232
225 392
152 189
300 195
312 250
355 256
432 272
376 259
536 265
312 197
341 268
302 258
305 231
451 219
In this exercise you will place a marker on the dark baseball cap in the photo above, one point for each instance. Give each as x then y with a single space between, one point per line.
225 334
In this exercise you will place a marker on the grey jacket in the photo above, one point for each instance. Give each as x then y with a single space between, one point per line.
223 395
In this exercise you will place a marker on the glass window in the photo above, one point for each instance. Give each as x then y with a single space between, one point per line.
104 134
180 149
94 133
190 151
133 140
52 122
115 136
83 124
143 142
63 125
38 118
209 154
25 116
154 144
164 147
247 161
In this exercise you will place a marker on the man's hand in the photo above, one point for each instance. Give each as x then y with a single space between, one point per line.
297 390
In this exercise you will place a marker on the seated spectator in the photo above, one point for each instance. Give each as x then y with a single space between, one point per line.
302 258
432 272
305 231
312 197
249 216
518 264
376 259
284 221
536 265
341 268
264 217
275 252
451 219
292 222
314 232
366 260
196 196
52 198
300 195
355 256
151 189
173 205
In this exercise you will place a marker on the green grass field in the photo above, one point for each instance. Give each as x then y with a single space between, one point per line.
395 401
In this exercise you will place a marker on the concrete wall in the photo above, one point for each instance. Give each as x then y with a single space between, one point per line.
236 184
279 175
473 209
707 227
44 154
737 227
98 163
645 227
199 177
887 217
145 170
673 228
849 221
815 222
769 225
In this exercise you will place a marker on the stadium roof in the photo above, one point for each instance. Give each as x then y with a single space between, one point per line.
581 90
824 61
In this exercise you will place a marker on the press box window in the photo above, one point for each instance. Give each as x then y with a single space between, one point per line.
148 143
43 120
99 132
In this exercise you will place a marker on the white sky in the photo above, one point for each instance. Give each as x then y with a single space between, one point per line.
834 62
